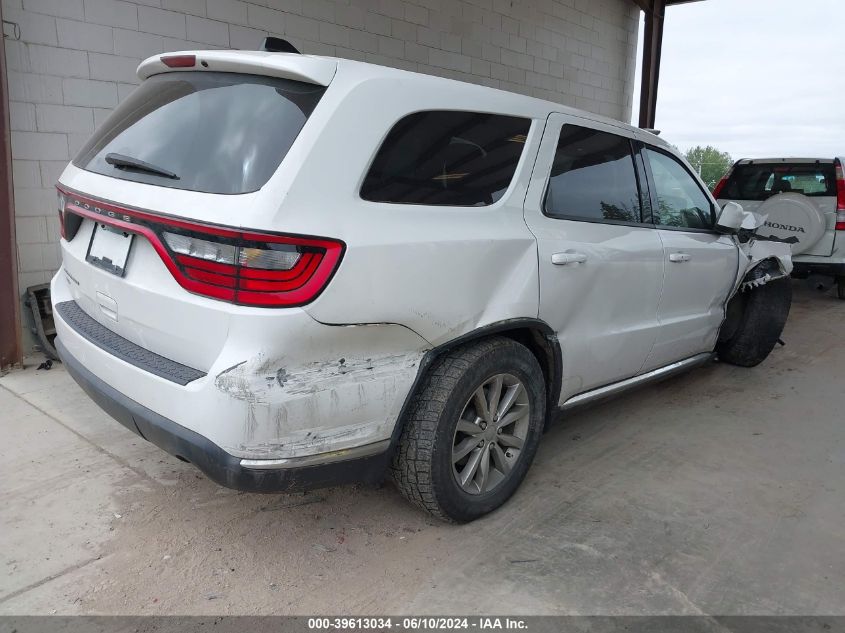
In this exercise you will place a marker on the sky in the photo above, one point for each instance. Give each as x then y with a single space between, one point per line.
754 78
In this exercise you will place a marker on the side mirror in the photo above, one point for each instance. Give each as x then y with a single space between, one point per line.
730 219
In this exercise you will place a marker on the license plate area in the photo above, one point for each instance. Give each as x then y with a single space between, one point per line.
109 249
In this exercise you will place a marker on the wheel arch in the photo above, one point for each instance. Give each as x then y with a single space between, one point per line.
535 334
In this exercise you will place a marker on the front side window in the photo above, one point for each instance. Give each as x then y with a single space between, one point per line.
592 177
447 158
680 201
211 132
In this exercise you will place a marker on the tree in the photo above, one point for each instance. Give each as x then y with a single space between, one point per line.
709 162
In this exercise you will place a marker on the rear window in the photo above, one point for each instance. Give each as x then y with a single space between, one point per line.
447 158
223 133
761 181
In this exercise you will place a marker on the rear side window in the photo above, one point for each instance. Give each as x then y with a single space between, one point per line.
593 177
223 133
760 181
447 158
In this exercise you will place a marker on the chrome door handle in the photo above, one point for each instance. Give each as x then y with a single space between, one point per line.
679 257
562 259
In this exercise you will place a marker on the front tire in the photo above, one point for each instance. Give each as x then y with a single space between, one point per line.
764 313
472 430
840 287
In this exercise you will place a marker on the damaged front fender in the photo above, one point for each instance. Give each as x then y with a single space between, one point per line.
764 259
765 262
757 309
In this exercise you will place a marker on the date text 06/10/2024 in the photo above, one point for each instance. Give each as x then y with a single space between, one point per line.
429 623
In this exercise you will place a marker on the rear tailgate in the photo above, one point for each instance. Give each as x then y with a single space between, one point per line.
751 183
145 305
223 135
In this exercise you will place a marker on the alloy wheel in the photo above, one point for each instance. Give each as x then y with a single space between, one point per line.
490 434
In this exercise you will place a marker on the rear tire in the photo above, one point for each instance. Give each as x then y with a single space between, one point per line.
760 326
840 287
439 445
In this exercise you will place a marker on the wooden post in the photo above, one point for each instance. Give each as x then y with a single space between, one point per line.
10 299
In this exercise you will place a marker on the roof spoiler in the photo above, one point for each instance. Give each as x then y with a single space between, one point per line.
277 45
312 70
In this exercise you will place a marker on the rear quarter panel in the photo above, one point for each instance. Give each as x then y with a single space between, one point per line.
440 271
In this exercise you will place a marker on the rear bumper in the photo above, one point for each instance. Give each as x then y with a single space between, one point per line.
220 466
282 390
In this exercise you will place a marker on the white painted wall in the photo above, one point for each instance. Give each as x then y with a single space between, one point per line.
76 59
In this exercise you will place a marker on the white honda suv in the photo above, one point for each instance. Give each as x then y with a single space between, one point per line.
296 271
803 202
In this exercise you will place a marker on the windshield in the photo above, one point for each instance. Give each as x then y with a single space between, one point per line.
761 181
223 133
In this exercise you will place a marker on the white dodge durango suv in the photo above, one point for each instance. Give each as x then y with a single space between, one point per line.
295 271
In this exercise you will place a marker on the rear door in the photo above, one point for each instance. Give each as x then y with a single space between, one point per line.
700 264
601 265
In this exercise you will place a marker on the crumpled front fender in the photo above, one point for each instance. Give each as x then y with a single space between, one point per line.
753 272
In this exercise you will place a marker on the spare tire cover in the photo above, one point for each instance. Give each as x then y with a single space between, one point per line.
792 218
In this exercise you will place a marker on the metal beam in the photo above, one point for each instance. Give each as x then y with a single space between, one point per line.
10 300
652 47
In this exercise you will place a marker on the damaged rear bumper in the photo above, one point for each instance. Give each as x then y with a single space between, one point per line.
283 391
365 464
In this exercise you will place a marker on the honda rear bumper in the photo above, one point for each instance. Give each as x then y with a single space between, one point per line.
805 269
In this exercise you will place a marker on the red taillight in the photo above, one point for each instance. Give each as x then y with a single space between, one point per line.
243 267
62 202
179 61
840 195
68 222
259 270
717 192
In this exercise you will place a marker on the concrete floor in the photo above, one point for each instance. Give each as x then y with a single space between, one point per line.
720 492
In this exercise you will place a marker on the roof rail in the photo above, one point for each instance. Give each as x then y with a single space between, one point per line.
651 131
277 45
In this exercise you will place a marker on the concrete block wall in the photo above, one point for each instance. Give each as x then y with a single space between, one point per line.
76 59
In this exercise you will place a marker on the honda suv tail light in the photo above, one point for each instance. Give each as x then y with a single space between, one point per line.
717 192
840 195
242 267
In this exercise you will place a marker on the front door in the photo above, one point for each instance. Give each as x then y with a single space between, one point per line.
601 265
701 265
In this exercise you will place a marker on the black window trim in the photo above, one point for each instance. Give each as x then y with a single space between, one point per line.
643 223
644 183
653 190
520 164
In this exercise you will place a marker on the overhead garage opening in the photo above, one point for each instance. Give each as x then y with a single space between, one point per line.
655 14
